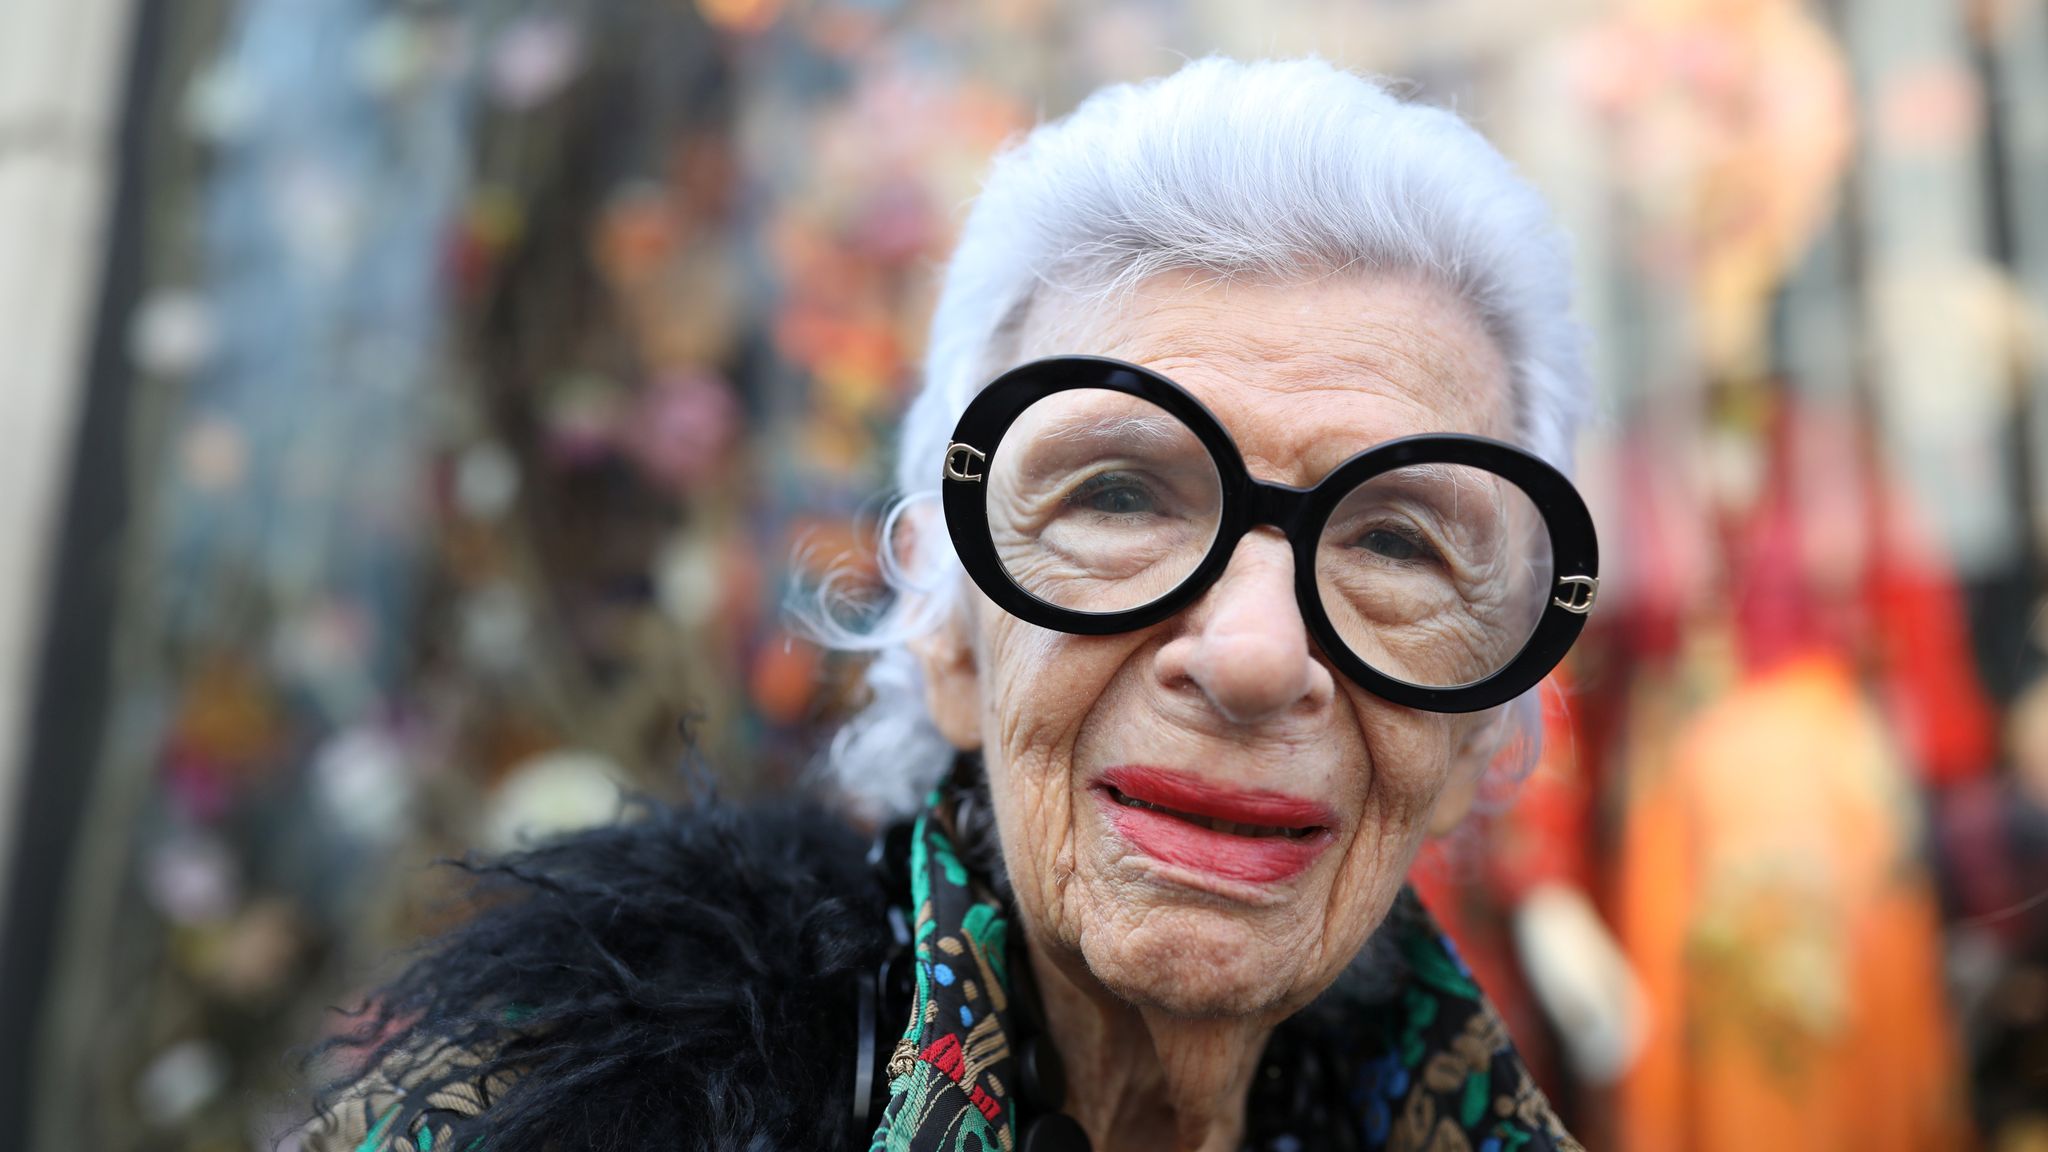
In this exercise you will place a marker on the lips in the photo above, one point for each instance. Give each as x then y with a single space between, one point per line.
1251 836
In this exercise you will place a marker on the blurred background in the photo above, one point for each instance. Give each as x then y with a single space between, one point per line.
415 412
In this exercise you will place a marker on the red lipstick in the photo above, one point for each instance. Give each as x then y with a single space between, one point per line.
1248 835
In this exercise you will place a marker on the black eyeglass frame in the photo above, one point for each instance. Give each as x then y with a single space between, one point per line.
1249 502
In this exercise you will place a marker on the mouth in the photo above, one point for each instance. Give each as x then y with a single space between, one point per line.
1214 823
1247 836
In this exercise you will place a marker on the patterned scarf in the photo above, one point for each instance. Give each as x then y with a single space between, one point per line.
1429 1070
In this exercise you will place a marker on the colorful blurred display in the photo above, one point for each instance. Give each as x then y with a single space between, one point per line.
493 370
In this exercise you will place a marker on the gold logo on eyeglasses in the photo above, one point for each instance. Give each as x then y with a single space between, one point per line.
1579 593
963 462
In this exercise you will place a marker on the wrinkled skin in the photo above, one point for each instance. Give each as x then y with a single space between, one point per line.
1163 983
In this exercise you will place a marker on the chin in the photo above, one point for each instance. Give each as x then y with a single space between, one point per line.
1196 963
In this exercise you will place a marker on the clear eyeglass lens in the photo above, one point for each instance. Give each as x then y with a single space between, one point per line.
1101 502
1435 574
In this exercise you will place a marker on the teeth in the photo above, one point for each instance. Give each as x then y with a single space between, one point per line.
1228 827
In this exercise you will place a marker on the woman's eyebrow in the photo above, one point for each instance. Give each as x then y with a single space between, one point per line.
1432 480
1127 427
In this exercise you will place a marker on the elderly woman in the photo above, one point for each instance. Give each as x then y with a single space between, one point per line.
1220 426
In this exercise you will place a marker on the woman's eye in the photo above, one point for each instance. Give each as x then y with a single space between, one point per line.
1114 494
1393 544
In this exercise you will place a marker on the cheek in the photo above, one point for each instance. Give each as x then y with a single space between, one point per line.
1036 691
1410 750
1033 706
1041 692
1411 754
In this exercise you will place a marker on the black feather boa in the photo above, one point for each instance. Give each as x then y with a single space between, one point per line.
681 981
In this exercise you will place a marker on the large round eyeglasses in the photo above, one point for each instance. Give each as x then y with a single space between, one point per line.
1443 572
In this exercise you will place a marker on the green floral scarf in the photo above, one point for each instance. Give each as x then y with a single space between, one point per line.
1429 1070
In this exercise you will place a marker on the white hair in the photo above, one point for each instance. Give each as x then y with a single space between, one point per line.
1279 170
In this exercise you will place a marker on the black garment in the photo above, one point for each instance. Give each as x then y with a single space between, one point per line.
682 981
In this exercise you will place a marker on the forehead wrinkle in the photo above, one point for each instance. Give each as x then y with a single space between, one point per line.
1298 435
1413 350
1301 346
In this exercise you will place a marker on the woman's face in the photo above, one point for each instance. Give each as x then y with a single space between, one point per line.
1226 711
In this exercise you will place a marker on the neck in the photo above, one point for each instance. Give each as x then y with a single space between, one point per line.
1144 1080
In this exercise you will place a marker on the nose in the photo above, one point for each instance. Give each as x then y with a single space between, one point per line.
1245 647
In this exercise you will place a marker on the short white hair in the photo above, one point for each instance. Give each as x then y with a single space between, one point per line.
1279 170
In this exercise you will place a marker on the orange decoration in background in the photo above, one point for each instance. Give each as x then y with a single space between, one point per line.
1773 905
742 16
785 679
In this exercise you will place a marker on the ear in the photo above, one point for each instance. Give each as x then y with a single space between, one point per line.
952 678
1483 737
